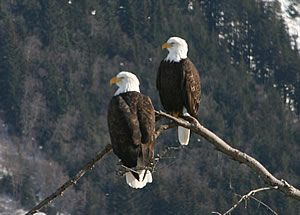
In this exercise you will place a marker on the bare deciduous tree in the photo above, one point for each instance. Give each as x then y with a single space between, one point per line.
220 145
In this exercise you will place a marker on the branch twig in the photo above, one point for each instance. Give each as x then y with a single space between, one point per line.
264 204
162 155
196 127
249 195
164 127
215 212
90 165
235 154
71 181
124 169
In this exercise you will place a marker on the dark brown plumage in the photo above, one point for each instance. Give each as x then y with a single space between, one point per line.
178 84
131 122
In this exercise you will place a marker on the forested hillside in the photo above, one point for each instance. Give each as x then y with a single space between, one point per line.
56 60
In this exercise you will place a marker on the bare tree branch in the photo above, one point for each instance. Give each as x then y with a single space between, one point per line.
163 154
124 169
250 195
264 204
164 127
71 181
196 127
90 165
214 212
221 145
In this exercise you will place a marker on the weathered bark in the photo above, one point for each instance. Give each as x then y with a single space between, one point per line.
237 155
197 128
73 180
247 196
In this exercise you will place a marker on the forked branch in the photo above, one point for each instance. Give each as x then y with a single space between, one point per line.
123 169
196 127
246 197
222 146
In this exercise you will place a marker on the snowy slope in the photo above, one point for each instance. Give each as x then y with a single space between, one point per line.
290 12
8 205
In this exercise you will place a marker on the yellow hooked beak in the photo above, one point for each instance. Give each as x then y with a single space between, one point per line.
166 45
114 80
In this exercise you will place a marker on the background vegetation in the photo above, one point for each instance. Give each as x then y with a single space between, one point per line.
56 62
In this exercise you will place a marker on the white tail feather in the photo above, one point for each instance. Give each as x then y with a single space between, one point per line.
183 135
134 183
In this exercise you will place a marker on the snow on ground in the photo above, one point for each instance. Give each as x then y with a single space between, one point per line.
4 141
290 12
10 207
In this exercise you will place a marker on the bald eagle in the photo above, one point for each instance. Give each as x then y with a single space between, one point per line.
178 83
131 123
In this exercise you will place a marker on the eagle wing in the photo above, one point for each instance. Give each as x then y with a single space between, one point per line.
191 87
131 121
146 118
124 129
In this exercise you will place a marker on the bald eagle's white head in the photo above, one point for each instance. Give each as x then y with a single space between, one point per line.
177 48
126 82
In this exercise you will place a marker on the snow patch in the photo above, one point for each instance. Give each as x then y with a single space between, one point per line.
9 206
190 6
290 12
93 12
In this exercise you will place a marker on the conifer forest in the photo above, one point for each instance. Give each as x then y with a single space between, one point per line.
56 60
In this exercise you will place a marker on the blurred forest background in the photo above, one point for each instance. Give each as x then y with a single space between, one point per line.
56 60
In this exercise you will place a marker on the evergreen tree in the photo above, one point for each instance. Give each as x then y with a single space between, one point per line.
13 67
249 75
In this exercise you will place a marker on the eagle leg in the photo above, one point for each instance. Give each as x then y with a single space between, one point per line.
176 114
